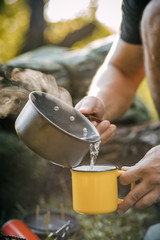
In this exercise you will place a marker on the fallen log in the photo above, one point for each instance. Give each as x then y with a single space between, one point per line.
15 86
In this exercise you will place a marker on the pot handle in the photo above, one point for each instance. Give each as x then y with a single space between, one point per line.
92 118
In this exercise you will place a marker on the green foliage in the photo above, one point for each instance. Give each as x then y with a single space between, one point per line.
55 32
14 19
144 94
100 32
130 226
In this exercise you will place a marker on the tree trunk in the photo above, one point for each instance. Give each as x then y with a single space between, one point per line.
35 34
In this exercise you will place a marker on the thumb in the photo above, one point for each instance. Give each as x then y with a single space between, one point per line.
86 105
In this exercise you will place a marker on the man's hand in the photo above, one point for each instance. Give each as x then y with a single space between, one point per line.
94 106
147 192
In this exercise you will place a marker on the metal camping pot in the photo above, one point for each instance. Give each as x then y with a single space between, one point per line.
55 130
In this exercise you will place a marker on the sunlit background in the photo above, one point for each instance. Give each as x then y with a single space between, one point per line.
108 11
57 20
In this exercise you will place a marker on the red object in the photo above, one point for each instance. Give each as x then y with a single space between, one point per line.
18 228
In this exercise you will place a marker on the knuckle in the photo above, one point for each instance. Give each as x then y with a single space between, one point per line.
134 197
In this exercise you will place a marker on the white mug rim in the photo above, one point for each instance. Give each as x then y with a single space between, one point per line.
96 168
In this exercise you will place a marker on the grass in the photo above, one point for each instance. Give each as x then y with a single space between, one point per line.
130 226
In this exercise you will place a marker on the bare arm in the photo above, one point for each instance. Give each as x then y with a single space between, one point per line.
113 87
117 79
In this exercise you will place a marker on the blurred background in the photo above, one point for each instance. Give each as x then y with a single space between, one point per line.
26 25
67 39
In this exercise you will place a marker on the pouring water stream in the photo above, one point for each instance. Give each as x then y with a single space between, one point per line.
94 150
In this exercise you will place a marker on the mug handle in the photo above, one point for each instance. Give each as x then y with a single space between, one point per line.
119 173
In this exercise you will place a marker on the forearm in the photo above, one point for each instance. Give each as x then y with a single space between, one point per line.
116 81
114 89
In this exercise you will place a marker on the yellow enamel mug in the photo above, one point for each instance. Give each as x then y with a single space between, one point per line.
94 190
